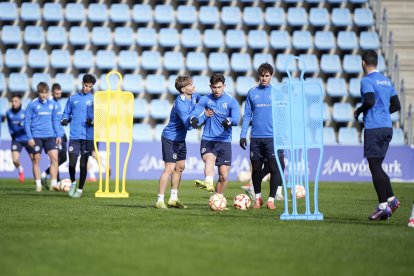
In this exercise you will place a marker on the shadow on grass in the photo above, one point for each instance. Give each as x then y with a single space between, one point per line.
42 194
360 221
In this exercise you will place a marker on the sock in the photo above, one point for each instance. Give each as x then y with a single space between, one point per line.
279 190
174 194
53 182
383 205
160 198
412 212
251 185
259 195
390 199
38 183
79 191
271 199
74 183
219 194
43 175
209 179
20 168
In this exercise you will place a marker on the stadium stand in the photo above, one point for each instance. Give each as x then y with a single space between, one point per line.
30 12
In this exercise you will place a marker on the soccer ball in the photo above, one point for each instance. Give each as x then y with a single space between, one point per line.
217 202
300 191
244 176
242 202
64 185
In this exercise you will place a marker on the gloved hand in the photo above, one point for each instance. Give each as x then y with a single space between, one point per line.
64 122
21 123
243 143
226 123
356 114
89 122
194 122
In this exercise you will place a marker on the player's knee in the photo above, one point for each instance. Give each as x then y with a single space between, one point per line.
223 177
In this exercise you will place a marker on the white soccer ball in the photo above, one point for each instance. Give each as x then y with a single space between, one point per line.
300 191
244 176
64 185
241 202
217 202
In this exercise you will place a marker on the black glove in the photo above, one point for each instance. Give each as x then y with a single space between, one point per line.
356 114
13 136
226 123
243 143
64 122
89 122
194 122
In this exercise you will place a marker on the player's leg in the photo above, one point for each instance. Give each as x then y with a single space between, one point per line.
16 148
73 152
380 181
36 156
86 150
256 158
223 171
223 162
209 157
411 219
165 177
53 157
175 183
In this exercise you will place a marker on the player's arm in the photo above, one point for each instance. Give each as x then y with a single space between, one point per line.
89 115
234 112
395 104
28 123
368 98
55 123
10 125
197 116
183 114
247 117
67 113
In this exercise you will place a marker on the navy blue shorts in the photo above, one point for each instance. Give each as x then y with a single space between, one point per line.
80 146
47 144
263 149
377 141
18 145
173 151
222 151
63 144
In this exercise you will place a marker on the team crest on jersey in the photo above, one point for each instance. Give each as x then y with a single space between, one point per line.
70 148
225 105
22 115
50 106
36 148
14 147
88 103
174 156
257 96
38 107
203 150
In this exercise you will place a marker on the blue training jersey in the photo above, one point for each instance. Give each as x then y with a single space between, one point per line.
258 111
41 120
76 111
378 116
224 107
15 121
179 123
59 113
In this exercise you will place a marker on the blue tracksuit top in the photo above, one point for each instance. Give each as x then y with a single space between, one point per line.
15 121
179 123
76 112
59 113
224 107
41 120
258 111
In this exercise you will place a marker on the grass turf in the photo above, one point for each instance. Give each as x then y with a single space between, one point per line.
49 233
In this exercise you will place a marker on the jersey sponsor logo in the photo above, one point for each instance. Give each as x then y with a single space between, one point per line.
75 102
384 82
225 105
44 113
263 105
256 97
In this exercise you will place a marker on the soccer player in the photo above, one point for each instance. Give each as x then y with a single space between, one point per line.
15 120
258 112
42 129
77 112
62 148
411 219
379 100
174 149
215 144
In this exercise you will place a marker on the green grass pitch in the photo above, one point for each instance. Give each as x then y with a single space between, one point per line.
49 233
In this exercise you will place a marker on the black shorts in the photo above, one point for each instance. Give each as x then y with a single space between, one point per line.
173 151
263 149
377 141
80 146
47 144
222 151
18 145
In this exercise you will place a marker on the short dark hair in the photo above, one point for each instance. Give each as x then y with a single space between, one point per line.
17 95
56 86
216 78
88 78
42 86
265 68
370 57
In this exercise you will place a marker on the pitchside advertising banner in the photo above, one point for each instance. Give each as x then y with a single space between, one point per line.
340 163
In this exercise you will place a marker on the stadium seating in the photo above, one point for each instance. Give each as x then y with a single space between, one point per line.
208 15
8 11
201 84
193 136
311 62
101 36
186 15
244 84
342 112
10 35
78 36
190 38
302 40
74 13
260 58
257 40
173 61
168 38
106 60
363 17
66 81
330 64
213 39
142 14
230 86
150 60
355 87
297 17
252 16
196 61
2 83
56 36
14 58
38 59
369 41
348 136
319 17
33 35
142 133
218 62
60 59
40 77
240 62
5 134
154 84
140 108
83 59
397 137
133 83
119 13
158 132
52 12
336 87
164 14
329 137
231 16
18 82
160 109
352 64
341 17
275 16
124 37
97 13
146 37
281 60
235 39
324 40
30 12
280 40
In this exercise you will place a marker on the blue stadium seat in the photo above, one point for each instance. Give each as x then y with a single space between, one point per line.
235 39
260 58
241 62
30 12
26 101
38 59
196 61
218 62
168 37
319 17
171 85
4 106
275 16
244 84
311 63
297 17
213 39
133 83
173 61
336 1
128 60
330 64
355 87
395 117
106 60
164 14
342 112
363 17
397 137
14 58
83 59
8 11
33 35
280 40
142 133
151 60
119 13
347 40
341 17
10 35
201 84
190 38
2 83
160 109
369 41
97 13
141 108
66 81
208 15
252 16
326 113
324 41
352 64
142 13
235 134
230 15
354 2
348 136
381 63
230 86
52 12
74 12
302 40
336 87
78 36
56 36
281 60
18 82
101 36
40 77
5 134
124 36
257 40
103 85
186 14
158 131
329 137
155 84
60 59
146 37
192 136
